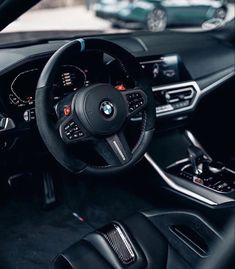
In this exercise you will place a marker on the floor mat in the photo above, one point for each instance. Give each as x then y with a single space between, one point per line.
101 202
31 238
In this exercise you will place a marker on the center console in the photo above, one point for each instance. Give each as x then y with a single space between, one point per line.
184 167
182 164
200 169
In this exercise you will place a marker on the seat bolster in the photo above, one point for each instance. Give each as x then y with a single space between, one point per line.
150 249
81 255
150 240
101 245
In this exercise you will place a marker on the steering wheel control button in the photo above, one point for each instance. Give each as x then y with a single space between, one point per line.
72 131
135 100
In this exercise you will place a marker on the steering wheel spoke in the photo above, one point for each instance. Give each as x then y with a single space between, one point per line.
114 149
136 101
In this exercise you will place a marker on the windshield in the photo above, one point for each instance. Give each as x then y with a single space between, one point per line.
112 16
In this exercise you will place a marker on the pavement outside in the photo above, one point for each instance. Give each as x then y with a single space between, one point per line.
70 18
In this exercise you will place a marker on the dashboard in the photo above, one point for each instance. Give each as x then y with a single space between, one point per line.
77 72
72 75
179 74
82 71
21 96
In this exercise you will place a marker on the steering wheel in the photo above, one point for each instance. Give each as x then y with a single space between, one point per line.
95 114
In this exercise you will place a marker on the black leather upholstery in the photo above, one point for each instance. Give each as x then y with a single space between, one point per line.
151 248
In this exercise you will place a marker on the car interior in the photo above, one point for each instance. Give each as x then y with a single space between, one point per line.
117 150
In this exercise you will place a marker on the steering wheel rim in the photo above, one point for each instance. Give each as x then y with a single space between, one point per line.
56 142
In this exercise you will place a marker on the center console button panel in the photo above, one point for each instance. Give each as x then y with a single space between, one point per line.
222 182
165 108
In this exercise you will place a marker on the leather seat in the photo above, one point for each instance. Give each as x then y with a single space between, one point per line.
134 243
156 239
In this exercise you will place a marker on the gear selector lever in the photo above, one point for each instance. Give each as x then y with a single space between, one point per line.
197 158
201 169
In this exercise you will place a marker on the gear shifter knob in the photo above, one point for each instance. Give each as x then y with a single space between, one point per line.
196 157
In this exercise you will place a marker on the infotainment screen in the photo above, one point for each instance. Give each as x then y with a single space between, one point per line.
164 70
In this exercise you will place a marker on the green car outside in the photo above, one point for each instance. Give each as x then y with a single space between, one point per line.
156 15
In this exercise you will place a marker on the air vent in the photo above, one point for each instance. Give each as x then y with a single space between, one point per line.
176 98
179 95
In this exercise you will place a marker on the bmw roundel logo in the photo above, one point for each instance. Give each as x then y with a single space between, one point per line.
107 109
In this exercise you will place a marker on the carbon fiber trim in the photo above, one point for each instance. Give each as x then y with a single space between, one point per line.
119 242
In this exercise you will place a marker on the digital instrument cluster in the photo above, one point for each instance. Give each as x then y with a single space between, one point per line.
69 78
22 91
